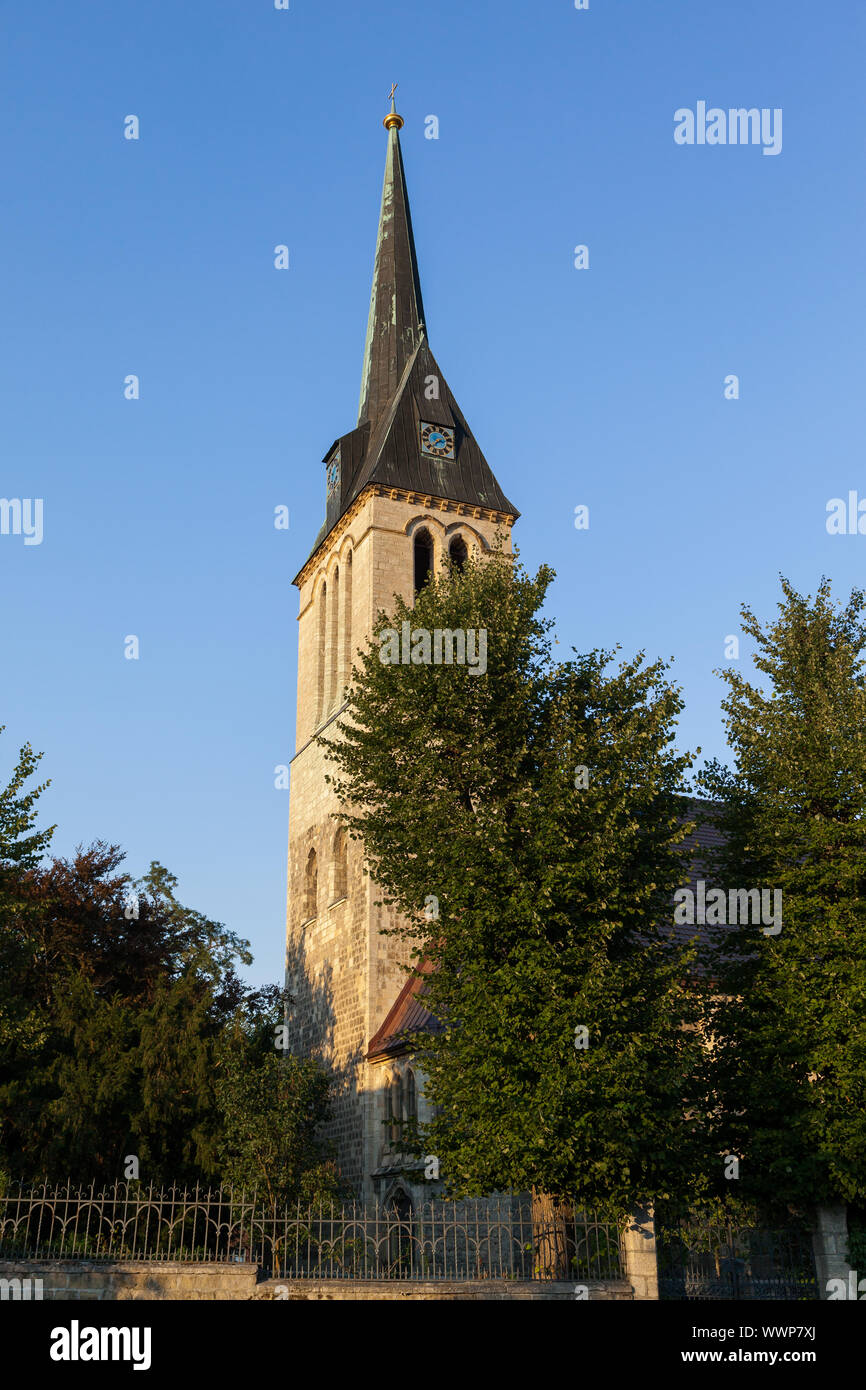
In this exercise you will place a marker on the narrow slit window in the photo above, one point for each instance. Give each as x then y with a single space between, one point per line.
411 1097
396 1109
311 886
341 874
323 636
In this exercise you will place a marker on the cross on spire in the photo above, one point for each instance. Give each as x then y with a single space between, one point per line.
392 121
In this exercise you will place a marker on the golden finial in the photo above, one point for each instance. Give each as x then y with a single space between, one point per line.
392 119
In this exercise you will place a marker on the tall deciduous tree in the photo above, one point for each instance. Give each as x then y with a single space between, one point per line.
790 1029
527 820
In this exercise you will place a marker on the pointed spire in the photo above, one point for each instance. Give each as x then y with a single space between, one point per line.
396 323
386 448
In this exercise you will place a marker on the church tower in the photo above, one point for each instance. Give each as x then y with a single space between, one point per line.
406 485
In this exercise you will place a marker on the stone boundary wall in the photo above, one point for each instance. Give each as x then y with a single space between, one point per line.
132 1279
445 1290
81 1280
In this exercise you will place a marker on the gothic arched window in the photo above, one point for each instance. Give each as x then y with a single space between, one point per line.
311 886
423 553
341 868
458 552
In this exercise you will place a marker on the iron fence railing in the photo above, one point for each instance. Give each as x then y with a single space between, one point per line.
719 1259
502 1237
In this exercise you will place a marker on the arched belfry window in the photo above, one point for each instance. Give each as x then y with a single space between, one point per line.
341 868
311 886
423 553
458 552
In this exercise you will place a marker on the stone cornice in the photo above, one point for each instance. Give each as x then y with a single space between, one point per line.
396 494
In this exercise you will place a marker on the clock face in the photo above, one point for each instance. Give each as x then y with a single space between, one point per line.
438 440
333 472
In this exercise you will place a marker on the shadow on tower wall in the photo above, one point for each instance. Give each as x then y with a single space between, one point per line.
311 1019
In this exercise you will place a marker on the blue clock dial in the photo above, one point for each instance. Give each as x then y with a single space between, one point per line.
438 440
333 472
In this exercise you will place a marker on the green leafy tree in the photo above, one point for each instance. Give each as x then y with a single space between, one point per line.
272 1107
528 822
22 1028
72 1107
130 991
135 1014
790 1025
21 844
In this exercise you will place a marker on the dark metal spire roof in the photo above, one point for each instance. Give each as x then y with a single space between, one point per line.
396 321
394 456
402 387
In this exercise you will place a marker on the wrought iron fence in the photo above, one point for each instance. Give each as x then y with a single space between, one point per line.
490 1238
721 1260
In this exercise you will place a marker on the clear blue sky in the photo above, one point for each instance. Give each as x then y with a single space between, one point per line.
602 386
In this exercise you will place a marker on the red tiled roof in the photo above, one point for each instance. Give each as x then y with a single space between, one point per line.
407 1015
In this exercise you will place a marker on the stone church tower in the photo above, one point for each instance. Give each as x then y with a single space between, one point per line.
406 485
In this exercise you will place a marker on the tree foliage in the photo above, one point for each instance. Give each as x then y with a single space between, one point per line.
535 890
272 1106
126 1031
790 1029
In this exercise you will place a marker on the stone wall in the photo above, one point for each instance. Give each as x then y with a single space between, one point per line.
81 1280
317 1290
133 1279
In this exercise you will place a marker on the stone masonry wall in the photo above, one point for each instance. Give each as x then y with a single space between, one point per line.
83 1281
479 1290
